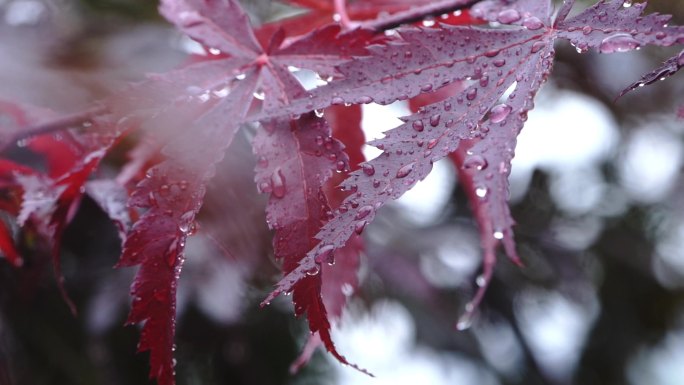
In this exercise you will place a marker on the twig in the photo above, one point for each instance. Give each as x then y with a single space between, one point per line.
416 14
341 10
60 124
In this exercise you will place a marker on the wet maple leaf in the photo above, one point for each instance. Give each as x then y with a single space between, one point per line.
193 114
504 69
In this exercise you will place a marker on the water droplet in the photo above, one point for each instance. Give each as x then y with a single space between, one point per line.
365 100
314 270
152 199
587 29
475 163
499 112
532 23
508 16
319 113
363 212
620 42
434 120
325 254
627 3
278 183
492 53
405 170
499 62
259 94
480 281
432 143
368 169
264 187
470 59
484 81
537 46
359 227
347 289
164 190
340 166
240 76
498 235
418 125
337 100
481 192
680 59
464 323
471 94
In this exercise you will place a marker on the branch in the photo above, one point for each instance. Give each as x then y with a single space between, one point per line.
60 124
418 13
341 10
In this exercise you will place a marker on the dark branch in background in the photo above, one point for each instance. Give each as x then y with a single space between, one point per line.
68 121
417 14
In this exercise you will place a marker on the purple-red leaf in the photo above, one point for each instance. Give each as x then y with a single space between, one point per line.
172 194
516 59
295 160
218 24
503 58
667 69
617 26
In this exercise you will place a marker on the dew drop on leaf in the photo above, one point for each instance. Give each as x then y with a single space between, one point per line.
508 16
532 23
480 281
537 46
481 192
498 235
499 113
464 323
471 94
325 254
620 42
360 226
418 125
405 170
432 143
265 187
278 183
314 270
368 169
434 120
347 289
364 211
475 163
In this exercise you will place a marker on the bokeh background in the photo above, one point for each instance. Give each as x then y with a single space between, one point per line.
597 191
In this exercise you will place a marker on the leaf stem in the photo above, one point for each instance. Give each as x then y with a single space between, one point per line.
416 14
